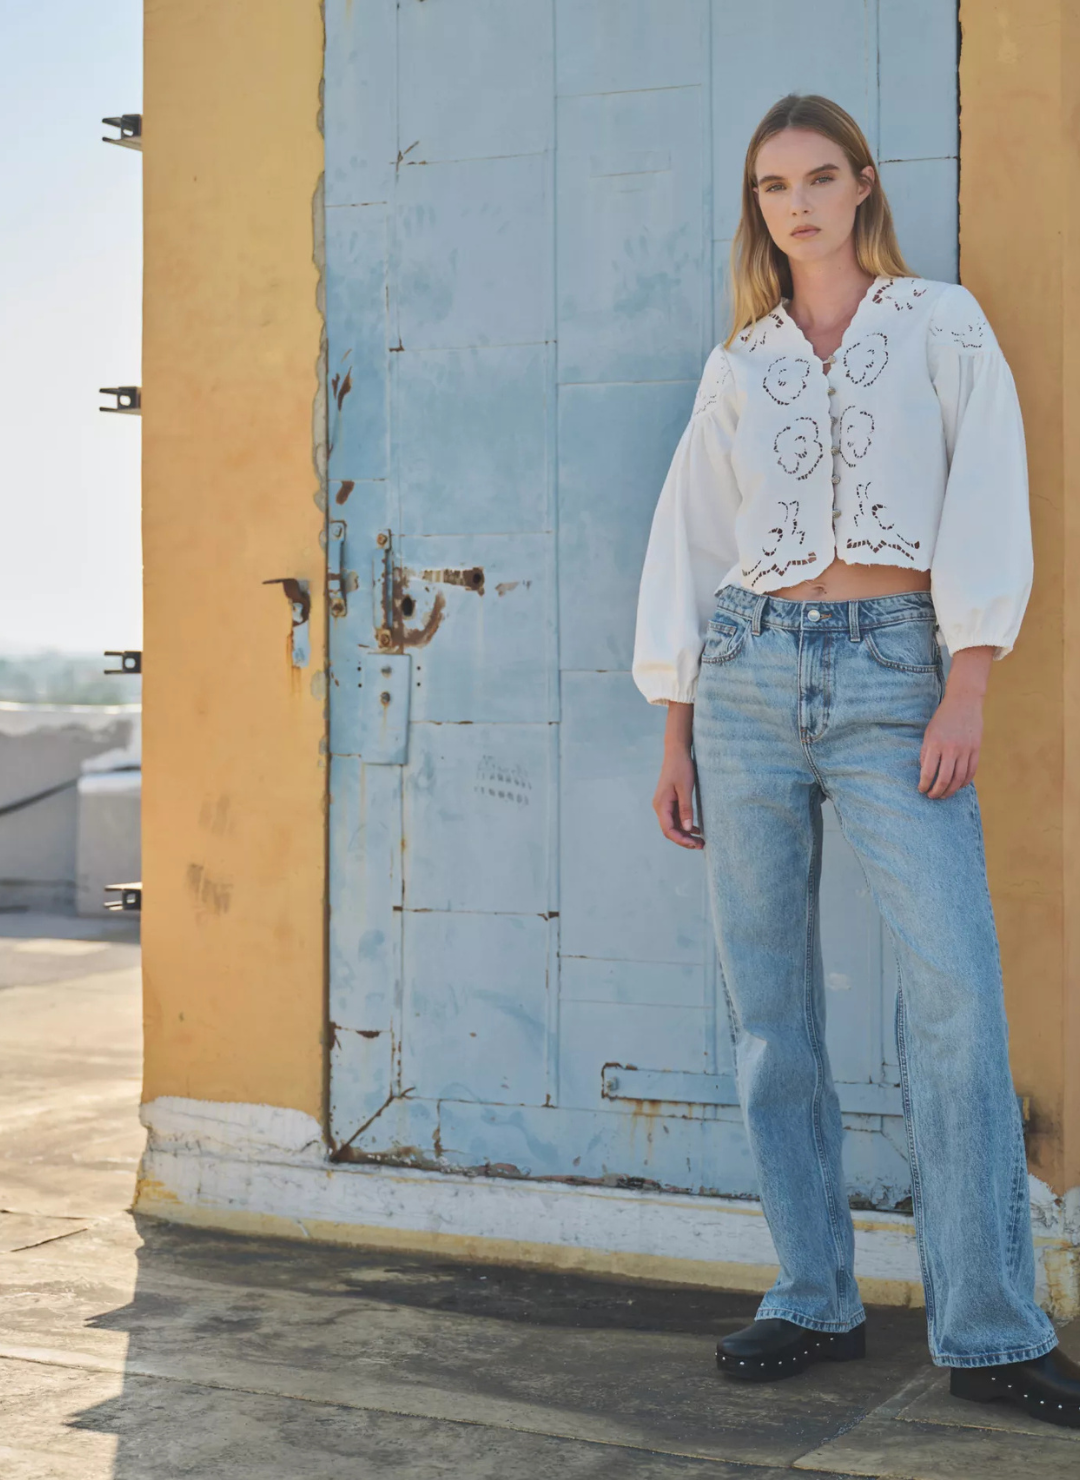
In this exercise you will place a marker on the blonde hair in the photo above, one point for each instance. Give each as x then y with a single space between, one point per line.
760 273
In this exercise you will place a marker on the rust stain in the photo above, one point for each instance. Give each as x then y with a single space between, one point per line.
340 388
370 1032
344 1152
347 486
212 896
421 636
472 578
505 586
295 595
401 636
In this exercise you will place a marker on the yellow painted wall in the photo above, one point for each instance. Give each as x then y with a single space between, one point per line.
235 781
1018 254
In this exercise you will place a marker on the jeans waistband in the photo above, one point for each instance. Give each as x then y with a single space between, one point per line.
824 616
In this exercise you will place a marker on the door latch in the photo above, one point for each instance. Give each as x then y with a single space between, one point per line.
335 568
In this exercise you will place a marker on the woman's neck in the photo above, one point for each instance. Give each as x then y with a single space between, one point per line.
824 298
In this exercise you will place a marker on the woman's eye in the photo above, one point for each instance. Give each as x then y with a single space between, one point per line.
771 188
824 179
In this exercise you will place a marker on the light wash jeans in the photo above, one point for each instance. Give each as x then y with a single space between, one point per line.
798 701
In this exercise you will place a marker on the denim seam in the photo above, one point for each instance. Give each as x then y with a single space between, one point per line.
1019 1201
732 1033
819 1070
901 1048
917 1205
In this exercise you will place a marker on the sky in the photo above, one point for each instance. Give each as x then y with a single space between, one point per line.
70 306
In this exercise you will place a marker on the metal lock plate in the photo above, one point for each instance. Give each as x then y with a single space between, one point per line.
382 731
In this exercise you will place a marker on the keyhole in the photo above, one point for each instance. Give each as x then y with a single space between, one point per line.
408 606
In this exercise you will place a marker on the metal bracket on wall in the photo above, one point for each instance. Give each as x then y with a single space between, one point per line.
384 580
335 568
298 595
130 126
128 399
130 896
130 660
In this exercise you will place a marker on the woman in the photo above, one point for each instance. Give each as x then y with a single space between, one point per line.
852 481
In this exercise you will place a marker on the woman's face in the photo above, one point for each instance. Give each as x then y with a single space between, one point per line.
808 193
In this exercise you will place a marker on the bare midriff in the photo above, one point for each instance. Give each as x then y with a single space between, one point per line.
842 582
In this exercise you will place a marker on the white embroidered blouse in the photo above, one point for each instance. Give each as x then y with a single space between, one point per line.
907 449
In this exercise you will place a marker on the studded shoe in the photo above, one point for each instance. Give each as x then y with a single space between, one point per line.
773 1348
1047 1387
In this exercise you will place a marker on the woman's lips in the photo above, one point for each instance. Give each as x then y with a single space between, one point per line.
806 231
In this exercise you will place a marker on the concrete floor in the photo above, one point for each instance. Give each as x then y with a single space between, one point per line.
138 1351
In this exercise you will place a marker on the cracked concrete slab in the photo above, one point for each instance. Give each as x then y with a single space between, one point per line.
79 1425
135 1350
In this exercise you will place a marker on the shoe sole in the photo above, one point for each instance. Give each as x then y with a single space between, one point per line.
976 1385
820 1346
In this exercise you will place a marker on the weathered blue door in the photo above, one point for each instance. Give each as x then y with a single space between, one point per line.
529 206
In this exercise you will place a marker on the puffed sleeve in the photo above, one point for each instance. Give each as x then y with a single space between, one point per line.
982 564
691 544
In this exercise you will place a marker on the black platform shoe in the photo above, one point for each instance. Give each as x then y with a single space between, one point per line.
1046 1387
775 1348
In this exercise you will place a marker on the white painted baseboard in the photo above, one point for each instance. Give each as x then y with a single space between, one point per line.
262 1169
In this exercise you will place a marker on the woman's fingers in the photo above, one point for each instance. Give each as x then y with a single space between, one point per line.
930 758
685 796
947 765
965 772
672 804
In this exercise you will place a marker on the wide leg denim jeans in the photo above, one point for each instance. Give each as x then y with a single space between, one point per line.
798 701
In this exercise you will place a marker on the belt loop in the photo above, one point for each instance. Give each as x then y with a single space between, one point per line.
853 621
759 612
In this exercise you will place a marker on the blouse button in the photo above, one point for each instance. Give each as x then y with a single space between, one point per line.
835 451
836 477
836 513
832 390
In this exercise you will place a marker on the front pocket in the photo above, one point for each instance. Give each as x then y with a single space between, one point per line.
723 640
909 646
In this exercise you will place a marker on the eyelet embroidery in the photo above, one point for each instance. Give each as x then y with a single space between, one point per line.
874 544
789 530
786 379
893 293
713 386
864 360
969 336
756 335
796 444
855 433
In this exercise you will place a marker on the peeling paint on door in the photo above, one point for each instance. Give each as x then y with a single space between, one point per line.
523 283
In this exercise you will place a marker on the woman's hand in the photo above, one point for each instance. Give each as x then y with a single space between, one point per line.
950 748
673 801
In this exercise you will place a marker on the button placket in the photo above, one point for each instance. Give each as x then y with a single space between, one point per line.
833 421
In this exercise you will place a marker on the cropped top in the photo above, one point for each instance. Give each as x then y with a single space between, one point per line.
905 448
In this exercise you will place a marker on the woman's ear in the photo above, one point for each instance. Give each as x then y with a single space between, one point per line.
867 177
